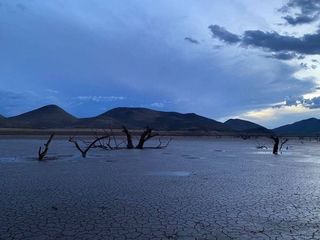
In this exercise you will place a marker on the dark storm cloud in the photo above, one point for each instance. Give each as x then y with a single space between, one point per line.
301 11
311 103
224 35
283 55
271 41
191 40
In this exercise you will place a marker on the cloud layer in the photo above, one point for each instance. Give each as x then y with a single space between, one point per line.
98 55
299 12
271 41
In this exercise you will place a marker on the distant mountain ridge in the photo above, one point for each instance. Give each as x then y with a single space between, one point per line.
307 127
137 118
52 116
240 125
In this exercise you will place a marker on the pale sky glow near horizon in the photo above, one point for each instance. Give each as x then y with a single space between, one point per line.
250 59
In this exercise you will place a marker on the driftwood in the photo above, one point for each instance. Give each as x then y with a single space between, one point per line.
89 145
42 154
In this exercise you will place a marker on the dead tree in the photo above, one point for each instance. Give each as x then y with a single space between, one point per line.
42 154
145 136
282 143
129 137
89 146
161 145
277 141
275 145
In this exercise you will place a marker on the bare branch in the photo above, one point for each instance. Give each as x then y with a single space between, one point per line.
42 154
282 143
161 146
87 148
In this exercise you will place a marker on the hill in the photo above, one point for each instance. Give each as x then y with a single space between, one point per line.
137 118
244 126
307 127
50 116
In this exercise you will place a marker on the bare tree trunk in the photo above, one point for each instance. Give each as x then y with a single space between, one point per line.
129 138
145 136
276 145
41 155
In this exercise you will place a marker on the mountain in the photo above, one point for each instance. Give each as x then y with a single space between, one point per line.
240 125
50 116
138 118
308 127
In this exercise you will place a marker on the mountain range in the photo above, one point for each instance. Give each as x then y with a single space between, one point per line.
52 116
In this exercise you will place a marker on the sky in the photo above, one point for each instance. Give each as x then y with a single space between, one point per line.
250 59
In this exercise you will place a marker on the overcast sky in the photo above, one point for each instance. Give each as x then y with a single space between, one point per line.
251 59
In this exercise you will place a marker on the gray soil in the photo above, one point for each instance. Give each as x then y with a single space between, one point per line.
197 188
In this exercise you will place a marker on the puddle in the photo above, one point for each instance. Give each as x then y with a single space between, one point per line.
170 173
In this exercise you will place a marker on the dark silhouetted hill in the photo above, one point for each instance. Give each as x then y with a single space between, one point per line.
137 118
53 116
244 126
308 127
50 116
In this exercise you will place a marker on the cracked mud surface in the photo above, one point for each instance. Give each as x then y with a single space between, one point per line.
195 189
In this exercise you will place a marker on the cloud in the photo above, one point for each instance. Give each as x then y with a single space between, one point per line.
13 103
99 99
272 117
191 40
271 41
301 11
157 105
224 35
86 54
283 55
310 103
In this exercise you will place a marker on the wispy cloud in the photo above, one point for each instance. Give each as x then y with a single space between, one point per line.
100 99
191 40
